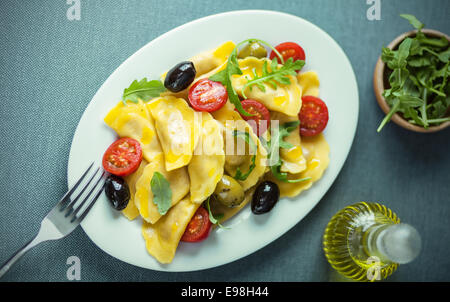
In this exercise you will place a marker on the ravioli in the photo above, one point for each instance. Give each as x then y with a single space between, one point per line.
293 160
231 120
133 120
309 81
177 126
206 166
285 99
211 59
163 237
316 152
131 211
179 184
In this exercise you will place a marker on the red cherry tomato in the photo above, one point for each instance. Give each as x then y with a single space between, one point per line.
260 114
206 95
289 50
122 157
198 228
313 116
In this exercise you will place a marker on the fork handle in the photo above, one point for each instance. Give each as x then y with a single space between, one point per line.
47 231
33 242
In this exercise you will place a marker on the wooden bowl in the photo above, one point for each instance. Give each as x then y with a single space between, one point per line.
381 82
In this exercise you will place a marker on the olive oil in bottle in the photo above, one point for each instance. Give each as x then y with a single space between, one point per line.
367 242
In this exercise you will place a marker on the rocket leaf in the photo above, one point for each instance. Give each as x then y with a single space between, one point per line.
144 90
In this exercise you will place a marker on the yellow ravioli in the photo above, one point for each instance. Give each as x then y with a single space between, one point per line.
162 238
309 81
206 166
211 59
179 184
293 160
177 126
131 211
316 152
134 121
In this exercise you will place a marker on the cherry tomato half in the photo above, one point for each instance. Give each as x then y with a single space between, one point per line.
123 157
313 116
260 114
289 50
198 228
206 95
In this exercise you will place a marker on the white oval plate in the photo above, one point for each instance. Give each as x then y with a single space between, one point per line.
121 238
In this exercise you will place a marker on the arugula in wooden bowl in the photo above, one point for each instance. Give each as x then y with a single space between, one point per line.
412 81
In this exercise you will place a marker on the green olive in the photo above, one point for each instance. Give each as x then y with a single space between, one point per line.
235 160
236 152
253 49
229 192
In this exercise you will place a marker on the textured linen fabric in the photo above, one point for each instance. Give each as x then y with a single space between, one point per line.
51 68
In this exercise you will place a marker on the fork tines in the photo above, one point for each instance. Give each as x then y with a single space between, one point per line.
76 203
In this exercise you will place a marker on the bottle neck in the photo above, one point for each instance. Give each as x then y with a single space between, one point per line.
393 243
371 242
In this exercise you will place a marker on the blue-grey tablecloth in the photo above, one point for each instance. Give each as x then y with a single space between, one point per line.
51 68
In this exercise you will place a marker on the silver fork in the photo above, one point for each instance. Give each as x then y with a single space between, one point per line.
66 215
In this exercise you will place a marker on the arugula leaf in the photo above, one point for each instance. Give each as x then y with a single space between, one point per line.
439 109
440 120
276 75
277 142
388 117
224 77
444 56
242 177
403 51
441 42
410 101
411 113
442 73
420 61
215 219
410 87
162 193
445 73
416 48
387 55
144 90
413 20
423 110
276 171
398 77
232 68
419 87
253 149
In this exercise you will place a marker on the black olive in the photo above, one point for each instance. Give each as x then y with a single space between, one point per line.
180 77
117 191
265 197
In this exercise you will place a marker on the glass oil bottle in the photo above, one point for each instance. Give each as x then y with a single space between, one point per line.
367 242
